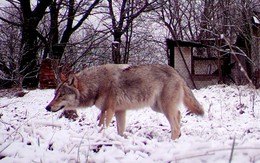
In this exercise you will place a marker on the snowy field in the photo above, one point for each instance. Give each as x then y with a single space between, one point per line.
28 133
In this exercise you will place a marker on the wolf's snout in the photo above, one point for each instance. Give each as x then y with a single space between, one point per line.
54 108
48 108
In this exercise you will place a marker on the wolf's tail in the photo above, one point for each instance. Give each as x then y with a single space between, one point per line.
191 103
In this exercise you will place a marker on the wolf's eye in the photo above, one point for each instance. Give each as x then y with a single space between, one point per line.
62 94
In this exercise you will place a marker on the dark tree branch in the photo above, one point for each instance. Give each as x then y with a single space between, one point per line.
86 15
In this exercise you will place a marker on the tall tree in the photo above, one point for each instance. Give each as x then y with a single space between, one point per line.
75 10
29 66
180 18
122 13
10 38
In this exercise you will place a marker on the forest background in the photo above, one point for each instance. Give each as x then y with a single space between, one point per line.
83 33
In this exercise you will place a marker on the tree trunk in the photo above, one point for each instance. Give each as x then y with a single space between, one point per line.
29 67
116 55
116 52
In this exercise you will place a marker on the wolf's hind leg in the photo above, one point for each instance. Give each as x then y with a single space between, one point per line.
120 121
173 115
174 120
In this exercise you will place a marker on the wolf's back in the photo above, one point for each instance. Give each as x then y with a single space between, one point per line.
191 103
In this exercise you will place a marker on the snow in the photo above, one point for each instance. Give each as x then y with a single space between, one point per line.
28 133
256 21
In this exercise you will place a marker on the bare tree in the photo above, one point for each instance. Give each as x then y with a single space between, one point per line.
30 16
122 14
180 18
64 18
29 66
75 12
10 38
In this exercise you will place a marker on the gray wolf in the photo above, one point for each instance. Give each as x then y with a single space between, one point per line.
115 88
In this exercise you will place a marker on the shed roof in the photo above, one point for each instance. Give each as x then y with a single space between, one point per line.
182 43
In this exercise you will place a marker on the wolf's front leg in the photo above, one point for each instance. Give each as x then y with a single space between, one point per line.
105 117
120 122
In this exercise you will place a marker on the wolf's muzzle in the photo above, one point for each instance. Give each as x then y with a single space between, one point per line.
48 108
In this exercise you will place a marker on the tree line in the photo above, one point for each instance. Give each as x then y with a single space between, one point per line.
79 33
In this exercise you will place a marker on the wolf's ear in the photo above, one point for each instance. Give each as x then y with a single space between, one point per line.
73 81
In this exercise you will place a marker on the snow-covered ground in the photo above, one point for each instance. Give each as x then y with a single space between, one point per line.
28 133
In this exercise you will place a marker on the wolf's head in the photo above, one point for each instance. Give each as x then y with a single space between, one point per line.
66 96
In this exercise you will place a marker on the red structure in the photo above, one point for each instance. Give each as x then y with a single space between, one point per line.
47 76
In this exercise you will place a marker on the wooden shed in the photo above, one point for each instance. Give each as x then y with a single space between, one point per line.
198 63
